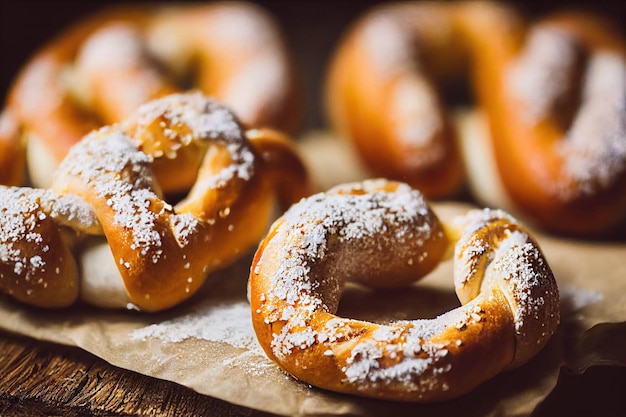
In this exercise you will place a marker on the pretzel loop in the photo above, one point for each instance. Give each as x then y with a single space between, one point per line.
162 252
545 136
99 70
382 233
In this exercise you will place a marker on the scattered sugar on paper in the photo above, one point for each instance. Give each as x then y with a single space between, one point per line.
256 363
574 298
228 323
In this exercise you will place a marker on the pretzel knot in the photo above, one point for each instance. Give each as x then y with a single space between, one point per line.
110 184
383 234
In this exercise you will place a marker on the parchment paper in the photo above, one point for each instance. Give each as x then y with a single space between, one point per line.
208 343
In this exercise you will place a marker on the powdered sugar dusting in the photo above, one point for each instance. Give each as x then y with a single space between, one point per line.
594 149
21 214
25 243
417 119
387 43
413 356
395 37
258 88
472 248
183 226
362 217
519 263
111 164
538 78
228 323
505 256
308 264
71 210
575 298
206 121
117 45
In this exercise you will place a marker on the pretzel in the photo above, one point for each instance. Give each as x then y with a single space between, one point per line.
552 93
12 155
101 69
109 184
381 233
36 261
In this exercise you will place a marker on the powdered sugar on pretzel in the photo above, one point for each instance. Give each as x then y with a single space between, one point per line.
381 233
550 93
162 252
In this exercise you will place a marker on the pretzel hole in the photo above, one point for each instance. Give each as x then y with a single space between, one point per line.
184 77
382 306
454 87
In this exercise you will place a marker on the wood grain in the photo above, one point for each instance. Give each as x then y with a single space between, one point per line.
44 379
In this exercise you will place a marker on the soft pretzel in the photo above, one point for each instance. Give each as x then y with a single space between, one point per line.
553 94
100 70
383 234
109 184
36 262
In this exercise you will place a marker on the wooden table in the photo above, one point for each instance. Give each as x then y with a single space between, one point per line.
44 379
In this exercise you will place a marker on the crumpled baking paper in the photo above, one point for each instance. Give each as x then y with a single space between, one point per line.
208 343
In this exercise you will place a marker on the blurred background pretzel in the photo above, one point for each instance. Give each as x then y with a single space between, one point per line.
98 71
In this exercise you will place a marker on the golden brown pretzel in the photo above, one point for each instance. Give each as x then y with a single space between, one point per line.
36 262
383 234
162 253
380 95
12 152
552 92
98 71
